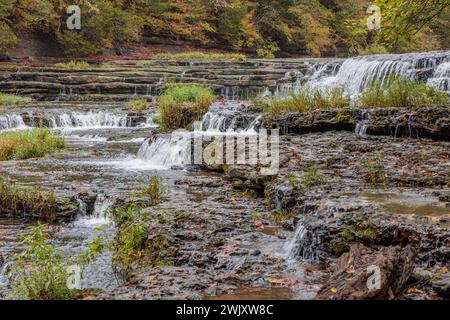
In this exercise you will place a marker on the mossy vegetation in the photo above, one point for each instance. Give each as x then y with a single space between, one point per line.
19 145
13 100
143 63
181 104
398 92
281 217
306 100
138 105
202 56
72 65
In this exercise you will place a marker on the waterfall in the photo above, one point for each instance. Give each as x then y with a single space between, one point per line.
304 245
11 122
441 77
163 152
356 73
361 126
100 214
98 119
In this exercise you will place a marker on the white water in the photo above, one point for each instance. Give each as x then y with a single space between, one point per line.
355 74
91 120
100 215
12 122
361 126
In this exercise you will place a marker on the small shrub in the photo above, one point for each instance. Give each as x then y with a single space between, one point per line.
155 190
72 65
307 100
138 105
375 169
20 145
181 104
198 55
12 100
281 217
397 92
41 273
343 117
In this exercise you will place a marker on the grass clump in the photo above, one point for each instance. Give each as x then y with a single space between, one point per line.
307 100
13 100
42 270
19 145
143 64
182 104
138 105
376 172
155 190
17 201
311 177
198 55
72 65
398 92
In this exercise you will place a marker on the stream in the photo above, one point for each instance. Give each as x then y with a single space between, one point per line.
112 152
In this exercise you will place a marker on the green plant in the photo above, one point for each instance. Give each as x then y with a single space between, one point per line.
41 270
281 217
398 92
16 200
155 190
181 104
307 100
12 99
138 105
133 241
309 178
72 65
198 55
267 50
34 143
376 172
343 116
143 64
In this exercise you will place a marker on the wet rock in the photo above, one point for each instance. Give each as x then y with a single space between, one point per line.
442 285
352 277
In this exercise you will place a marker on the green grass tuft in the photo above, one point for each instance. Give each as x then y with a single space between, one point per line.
401 93
13 100
20 145
138 105
198 55
181 104
72 65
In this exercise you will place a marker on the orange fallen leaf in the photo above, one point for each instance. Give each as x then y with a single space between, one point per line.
334 290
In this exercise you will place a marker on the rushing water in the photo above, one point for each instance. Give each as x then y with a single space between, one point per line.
355 74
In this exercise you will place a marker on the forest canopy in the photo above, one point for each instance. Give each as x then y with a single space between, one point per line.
313 27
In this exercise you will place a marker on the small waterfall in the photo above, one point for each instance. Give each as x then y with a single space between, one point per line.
361 126
100 214
441 77
12 122
303 245
90 119
163 152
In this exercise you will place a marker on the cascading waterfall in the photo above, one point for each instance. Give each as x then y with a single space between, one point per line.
441 77
166 151
11 122
90 119
100 214
356 73
361 126
303 245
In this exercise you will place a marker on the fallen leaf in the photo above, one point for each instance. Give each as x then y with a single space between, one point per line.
334 290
